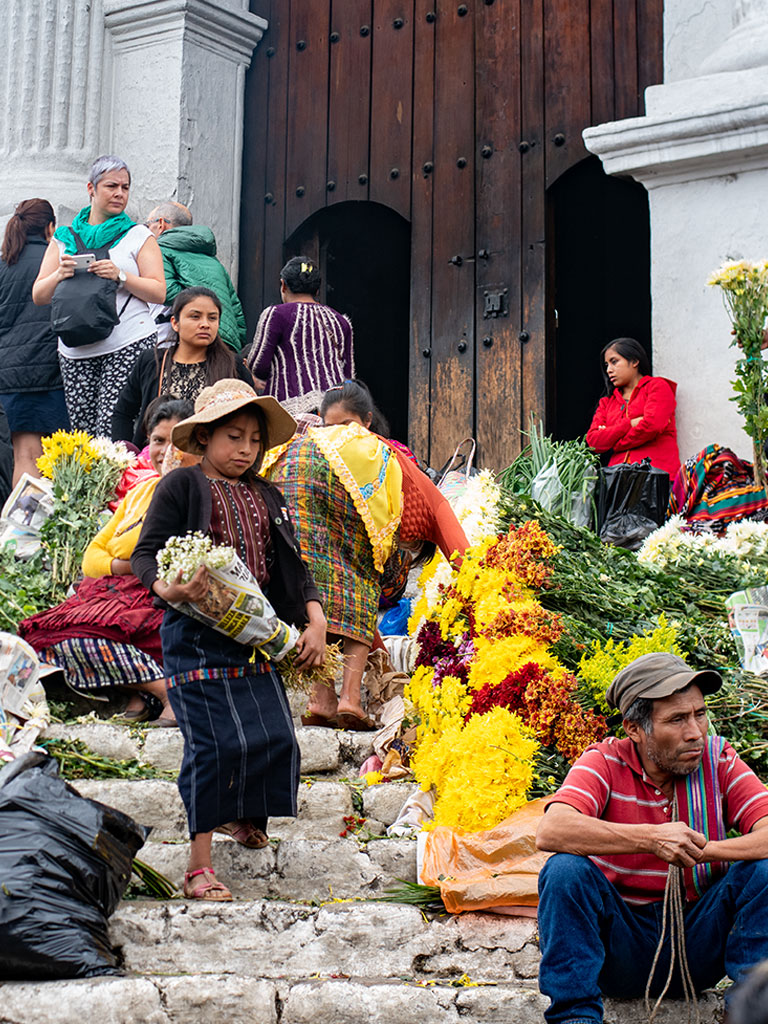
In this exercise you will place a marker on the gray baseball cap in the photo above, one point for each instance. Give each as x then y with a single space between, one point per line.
657 675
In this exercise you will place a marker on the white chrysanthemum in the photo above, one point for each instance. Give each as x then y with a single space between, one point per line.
477 507
113 451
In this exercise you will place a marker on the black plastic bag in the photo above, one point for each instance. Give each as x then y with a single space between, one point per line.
632 503
64 864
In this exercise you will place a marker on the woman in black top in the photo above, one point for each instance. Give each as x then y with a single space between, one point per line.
31 390
196 358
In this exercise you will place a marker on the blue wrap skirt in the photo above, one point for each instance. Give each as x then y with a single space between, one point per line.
241 759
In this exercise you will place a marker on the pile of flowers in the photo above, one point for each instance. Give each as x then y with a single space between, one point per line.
478 509
674 545
487 691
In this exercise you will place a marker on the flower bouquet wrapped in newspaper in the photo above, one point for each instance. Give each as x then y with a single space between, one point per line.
235 603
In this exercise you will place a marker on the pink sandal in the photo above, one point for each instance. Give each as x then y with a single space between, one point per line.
208 887
245 833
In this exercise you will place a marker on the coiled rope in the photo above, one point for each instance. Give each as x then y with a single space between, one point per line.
673 920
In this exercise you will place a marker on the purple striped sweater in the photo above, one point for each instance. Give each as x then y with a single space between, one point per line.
301 349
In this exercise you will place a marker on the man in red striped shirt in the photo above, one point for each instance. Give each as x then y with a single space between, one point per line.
667 795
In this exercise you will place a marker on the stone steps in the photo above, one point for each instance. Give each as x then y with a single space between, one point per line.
232 999
322 806
327 752
299 945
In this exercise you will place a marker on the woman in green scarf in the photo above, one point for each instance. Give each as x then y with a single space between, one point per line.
94 374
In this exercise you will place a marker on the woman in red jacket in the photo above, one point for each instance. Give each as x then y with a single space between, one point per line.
636 419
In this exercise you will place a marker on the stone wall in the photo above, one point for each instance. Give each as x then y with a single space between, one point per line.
702 153
158 82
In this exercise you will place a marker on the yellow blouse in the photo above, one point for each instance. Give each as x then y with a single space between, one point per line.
118 538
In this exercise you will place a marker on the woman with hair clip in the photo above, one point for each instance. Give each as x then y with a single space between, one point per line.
94 373
196 358
636 418
31 390
301 347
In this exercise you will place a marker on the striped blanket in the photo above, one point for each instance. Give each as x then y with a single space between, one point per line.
715 488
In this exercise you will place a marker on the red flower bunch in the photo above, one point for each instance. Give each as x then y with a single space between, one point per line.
509 693
526 552
559 720
547 705
432 646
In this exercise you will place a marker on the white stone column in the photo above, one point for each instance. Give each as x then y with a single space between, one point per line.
160 83
51 82
702 153
178 79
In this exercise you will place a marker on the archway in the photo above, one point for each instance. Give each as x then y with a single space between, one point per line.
364 252
599 285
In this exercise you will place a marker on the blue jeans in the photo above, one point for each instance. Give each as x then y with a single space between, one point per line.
592 942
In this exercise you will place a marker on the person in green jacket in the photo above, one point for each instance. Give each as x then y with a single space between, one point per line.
189 261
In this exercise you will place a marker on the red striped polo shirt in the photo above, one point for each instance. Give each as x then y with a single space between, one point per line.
608 782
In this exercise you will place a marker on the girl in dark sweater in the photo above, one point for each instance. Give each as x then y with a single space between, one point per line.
241 759
196 358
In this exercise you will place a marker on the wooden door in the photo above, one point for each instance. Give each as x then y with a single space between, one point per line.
458 116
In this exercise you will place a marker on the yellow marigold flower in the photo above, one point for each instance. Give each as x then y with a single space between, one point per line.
373 778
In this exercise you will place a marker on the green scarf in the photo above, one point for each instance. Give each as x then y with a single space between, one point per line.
94 236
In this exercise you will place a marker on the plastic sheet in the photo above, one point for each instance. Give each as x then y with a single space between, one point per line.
487 870
64 864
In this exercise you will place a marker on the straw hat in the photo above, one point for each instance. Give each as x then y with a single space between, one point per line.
225 397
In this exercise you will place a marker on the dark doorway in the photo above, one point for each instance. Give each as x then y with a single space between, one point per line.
600 285
364 251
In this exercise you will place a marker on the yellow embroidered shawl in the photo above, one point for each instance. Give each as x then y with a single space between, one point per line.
370 473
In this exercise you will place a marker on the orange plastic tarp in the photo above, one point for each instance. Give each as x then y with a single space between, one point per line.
482 870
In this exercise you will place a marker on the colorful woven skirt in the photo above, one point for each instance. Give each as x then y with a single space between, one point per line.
93 663
241 759
333 539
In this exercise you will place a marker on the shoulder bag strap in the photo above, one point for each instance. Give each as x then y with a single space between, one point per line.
162 373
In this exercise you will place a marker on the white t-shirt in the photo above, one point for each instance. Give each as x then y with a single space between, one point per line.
135 320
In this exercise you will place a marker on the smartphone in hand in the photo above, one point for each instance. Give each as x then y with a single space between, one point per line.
83 260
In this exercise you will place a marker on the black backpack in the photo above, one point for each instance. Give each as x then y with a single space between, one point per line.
84 307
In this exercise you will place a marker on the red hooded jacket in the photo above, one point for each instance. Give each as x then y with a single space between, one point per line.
654 437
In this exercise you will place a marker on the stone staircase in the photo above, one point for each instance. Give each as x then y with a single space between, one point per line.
300 944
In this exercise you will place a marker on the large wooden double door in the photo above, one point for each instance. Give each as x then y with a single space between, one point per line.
457 117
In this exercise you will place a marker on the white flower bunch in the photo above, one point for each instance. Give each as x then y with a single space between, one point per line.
186 554
113 451
477 507
746 541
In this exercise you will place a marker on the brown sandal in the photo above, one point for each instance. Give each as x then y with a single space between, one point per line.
207 888
245 833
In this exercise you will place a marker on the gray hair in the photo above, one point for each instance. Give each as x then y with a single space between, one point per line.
103 165
640 711
174 213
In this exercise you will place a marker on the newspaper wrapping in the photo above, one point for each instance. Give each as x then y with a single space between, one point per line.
23 708
236 606
748 620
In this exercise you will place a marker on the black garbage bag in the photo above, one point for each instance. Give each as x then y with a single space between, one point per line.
64 864
632 503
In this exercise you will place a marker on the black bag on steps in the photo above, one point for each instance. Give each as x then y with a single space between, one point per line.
632 502
64 864
84 307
